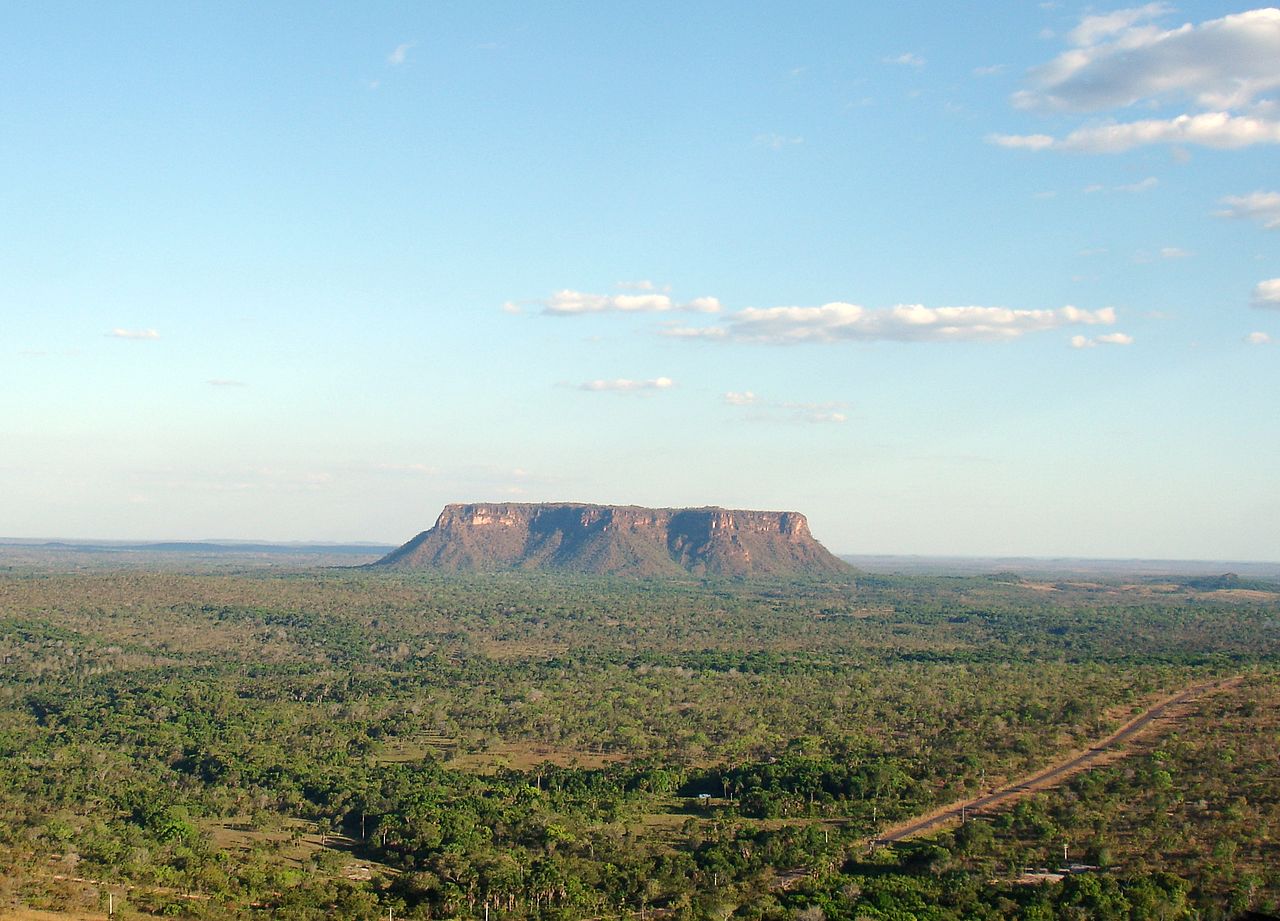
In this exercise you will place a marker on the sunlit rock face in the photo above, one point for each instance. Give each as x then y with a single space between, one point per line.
619 540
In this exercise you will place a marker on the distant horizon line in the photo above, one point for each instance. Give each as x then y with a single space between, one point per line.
232 542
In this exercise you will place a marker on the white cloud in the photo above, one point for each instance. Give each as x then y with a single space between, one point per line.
1022 141
512 308
1085 342
1257 339
1174 252
776 141
1221 63
1223 71
573 303
704 305
1267 293
409 469
836 322
907 59
988 71
832 412
1144 185
623 385
1263 207
118 333
1093 29
400 54
695 332
1219 130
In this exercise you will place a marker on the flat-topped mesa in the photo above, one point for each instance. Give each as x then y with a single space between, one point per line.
620 540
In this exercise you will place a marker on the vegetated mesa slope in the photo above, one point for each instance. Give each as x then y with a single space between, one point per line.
619 540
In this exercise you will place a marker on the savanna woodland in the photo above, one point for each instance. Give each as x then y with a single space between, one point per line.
207 738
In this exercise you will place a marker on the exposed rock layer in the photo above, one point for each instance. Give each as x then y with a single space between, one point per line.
622 540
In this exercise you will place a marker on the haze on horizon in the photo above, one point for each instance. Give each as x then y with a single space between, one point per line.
996 288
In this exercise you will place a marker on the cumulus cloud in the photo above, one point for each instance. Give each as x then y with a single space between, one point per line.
1221 72
573 303
1086 342
836 322
907 59
740 398
1267 293
119 333
1257 339
623 385
1221 63
1263 207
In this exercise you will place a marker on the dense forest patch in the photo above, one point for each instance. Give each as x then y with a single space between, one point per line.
337 743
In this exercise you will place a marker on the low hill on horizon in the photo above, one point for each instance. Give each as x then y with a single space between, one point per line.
619 540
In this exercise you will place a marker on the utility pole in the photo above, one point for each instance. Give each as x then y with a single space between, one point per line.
111 904
1064 852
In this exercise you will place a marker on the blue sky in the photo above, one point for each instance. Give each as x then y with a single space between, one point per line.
948 278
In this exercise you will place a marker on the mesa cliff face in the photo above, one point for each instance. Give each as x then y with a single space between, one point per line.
621 540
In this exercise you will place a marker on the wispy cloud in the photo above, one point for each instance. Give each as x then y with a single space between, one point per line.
906 59
575 303
1086 342
989 71
838 322
1095 28
1267 293
139 334
762 410
1223 70
625 385
407 469
776 141
1263 207
1258 339
1219 130
1143 185
400 54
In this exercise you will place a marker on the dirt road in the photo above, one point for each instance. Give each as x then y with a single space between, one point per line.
1056 773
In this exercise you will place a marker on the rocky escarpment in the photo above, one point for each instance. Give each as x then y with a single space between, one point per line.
619 540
